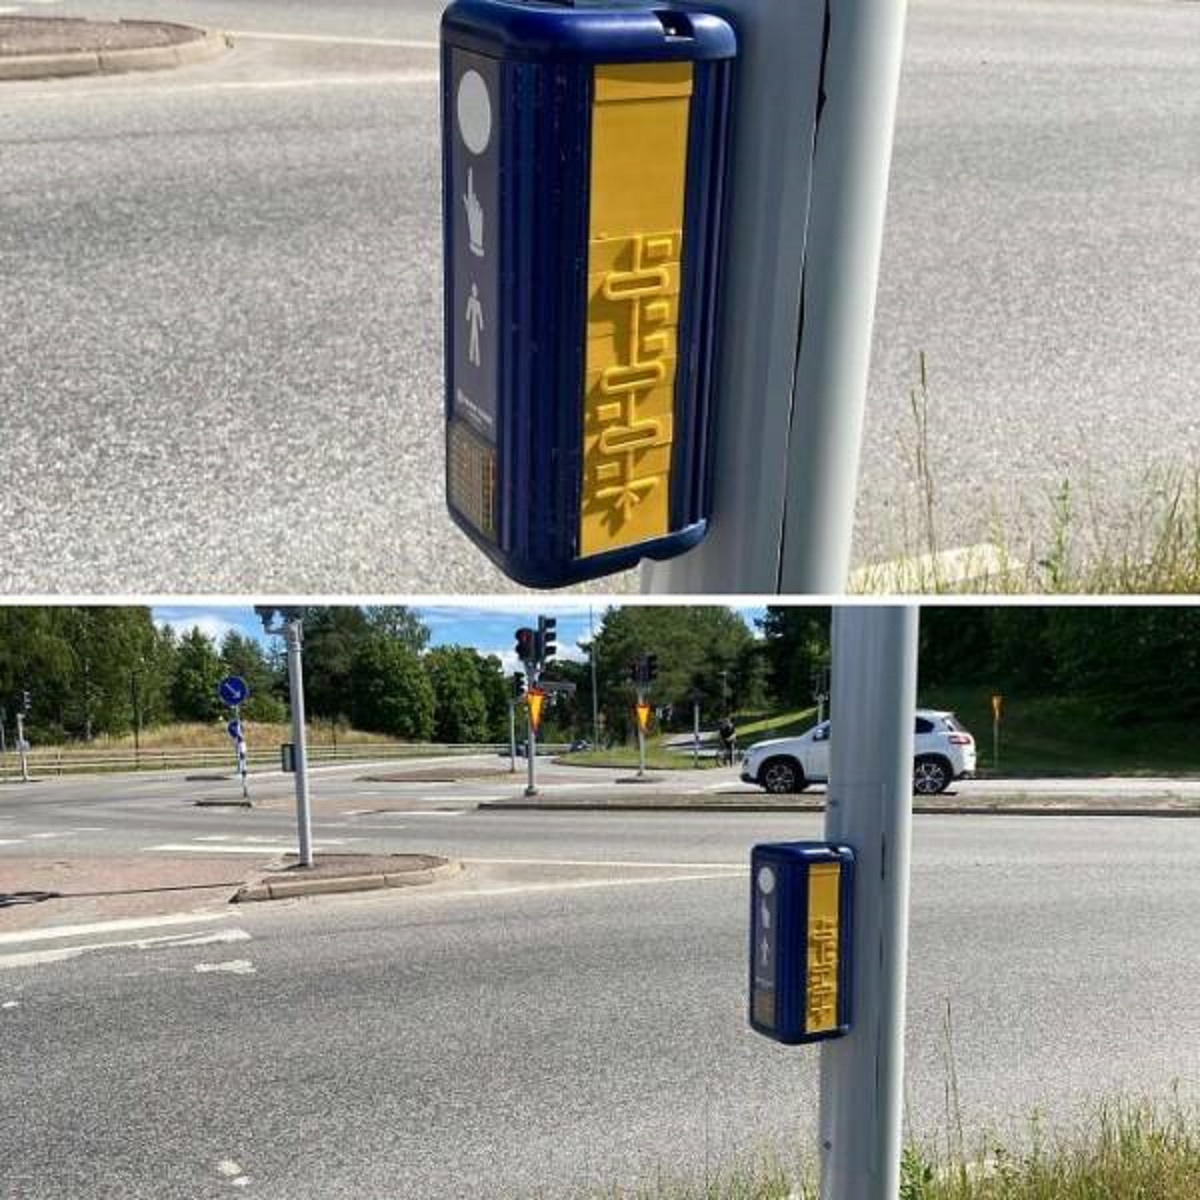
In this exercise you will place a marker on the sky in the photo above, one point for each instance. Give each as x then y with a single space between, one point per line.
489 630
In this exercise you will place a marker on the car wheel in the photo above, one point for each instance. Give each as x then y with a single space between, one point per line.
931 776
781 775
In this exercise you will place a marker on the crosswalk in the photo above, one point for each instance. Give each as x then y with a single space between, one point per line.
54 944
227 843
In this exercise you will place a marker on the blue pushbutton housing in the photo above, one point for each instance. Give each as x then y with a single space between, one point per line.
583 170
801 909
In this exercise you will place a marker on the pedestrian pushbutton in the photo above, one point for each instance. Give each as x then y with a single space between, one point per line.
583 172
800 914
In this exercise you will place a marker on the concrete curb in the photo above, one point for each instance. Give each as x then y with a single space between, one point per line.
286 888
110 62
238 803
922 810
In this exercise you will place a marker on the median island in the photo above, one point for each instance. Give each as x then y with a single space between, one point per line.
53 47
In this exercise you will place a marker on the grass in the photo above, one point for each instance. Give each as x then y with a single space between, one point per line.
1064 736
657 756
1129 1151
1075 545
198 735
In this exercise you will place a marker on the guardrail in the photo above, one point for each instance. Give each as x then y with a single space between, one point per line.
65 761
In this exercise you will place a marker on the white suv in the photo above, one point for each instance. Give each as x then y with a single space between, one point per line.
943 751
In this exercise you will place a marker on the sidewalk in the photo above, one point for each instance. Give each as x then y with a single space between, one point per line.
48 47
35 893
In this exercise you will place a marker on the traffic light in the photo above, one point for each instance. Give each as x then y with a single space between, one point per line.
26 702
518 684
526 644
651 667
635 671
546 648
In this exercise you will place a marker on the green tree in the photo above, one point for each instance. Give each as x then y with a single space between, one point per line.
400 622
197 672
460 706
796 644
332 638
245 657
390 690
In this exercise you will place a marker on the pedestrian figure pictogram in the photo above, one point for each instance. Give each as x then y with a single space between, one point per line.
474 318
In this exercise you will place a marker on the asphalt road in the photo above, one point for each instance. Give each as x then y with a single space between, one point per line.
221 290
569 1012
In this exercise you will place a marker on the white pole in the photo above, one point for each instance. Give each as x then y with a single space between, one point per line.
22 752
512 736
296 689
869 807
806 202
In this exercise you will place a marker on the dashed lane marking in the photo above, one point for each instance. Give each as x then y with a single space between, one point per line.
168 89
581 885
235 966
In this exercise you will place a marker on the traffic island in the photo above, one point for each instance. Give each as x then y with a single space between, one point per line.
54 47
349 873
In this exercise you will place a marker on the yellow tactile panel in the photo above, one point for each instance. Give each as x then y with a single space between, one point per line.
635 244
821 1000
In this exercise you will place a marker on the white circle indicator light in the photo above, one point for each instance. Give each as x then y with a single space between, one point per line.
766 880
474 108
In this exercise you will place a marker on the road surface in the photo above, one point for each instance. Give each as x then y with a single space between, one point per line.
568 1013
222 296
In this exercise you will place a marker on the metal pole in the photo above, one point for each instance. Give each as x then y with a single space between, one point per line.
512 736
806 202
595 695
995 743
869 807
296 690
241 751
641 736
696 733
531 741
21 751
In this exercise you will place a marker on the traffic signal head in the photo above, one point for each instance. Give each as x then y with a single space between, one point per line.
635 670
546 647
26 702
651 667
518 684
526 644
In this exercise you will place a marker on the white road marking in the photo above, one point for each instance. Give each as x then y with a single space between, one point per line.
10 841
165 90
266 841
589 862
579 885
119 926
235 966
211 849
331 39
228 1167
37 958
45 836
11 1004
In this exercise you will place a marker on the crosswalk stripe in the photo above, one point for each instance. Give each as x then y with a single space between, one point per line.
53 932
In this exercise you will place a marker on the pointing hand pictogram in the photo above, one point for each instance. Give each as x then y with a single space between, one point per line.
474 216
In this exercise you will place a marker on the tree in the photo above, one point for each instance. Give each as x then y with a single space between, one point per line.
460 707
796 644
195 677
390 691
400 622
332 637
245 657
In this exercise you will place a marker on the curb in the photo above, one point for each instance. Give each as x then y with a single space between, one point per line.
921 810
286 888
204 803
111 62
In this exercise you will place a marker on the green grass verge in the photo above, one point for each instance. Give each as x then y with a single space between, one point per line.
1060 736
657 756
1131 1151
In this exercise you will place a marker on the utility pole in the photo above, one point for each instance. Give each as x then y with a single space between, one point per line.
295 635
290 623
869 807
813 116
595 694
22 746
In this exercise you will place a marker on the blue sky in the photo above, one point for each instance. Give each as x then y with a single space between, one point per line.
489 630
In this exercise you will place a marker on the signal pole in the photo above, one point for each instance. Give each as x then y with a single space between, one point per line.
22 746
814 109
869 807
531 670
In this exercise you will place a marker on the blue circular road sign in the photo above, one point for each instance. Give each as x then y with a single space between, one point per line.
234 729
233 690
